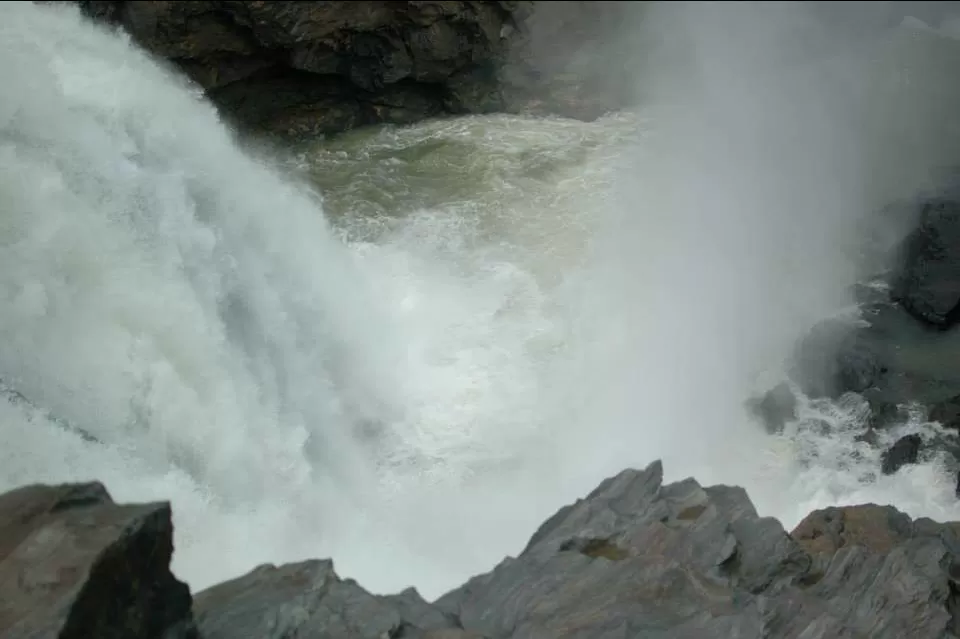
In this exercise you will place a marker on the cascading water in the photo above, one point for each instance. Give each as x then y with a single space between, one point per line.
492 314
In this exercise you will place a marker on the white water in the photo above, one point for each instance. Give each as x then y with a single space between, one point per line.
563 300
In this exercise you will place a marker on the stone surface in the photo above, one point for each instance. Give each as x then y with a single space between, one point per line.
309 600
928 281
905 450
298 68
73 564
635 558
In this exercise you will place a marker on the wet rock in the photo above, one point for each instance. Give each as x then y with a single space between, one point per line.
928 282
309 600
905 451
834 358
776 408
947 413
298 68
73 564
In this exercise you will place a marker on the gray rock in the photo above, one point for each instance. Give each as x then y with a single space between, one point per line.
309 600
75 565
637 558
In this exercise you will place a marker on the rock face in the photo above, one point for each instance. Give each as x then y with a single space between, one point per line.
635 558
321 67
905 347
73 564
928 285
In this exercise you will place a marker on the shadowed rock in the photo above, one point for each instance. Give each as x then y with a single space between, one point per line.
74 565
905 450
928 283
297 68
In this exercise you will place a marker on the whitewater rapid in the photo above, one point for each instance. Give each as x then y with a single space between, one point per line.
406 347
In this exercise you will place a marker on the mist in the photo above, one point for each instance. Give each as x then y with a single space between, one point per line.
776 133
422 398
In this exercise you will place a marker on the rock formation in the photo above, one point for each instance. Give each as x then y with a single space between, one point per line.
635 558
320 67
75 565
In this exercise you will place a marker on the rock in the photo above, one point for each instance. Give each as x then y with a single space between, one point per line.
834 358
776 408
928 282
309 600
73 564
905 451
947 413
635 558
296 68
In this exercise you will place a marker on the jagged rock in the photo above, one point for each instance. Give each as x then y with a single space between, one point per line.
928 283
321 67
75 565
637 558
309 600
904 451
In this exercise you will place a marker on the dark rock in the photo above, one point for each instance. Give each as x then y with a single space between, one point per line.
309 600
776 408
928 282
299 68
75 565
834 358
947 413
905 451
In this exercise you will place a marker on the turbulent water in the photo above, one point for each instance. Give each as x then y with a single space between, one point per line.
405 347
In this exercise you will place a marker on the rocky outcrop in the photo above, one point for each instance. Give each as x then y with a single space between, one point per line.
928 282
635 558
75 565
904 347
321 67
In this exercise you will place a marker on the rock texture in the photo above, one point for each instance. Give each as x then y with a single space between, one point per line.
75 565
635 558
928 282
321 67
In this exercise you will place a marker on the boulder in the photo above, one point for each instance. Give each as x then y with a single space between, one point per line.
927 284
775 408
905 450
75 565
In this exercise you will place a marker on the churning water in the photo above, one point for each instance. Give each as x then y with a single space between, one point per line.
406 347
